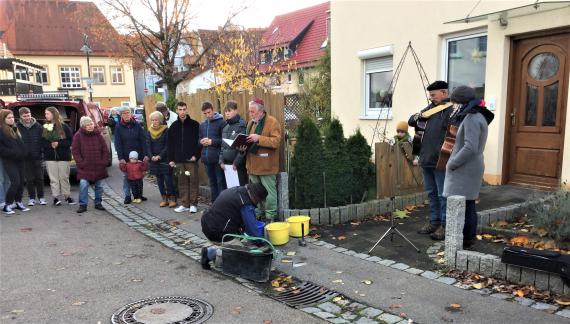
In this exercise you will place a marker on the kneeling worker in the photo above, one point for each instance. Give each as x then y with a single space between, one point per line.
233 212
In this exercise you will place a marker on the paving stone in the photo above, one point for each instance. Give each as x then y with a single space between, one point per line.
389 318
374 259
325 216
337 320
430 275
344 214
324 315
400 266
513 273
486 267
500 269
319 243
555 284
334 215
501 296
329 246
330 307
365 320
545 307
314 214
356 306
484 291
564 313
446 280
524 301
387 262
310 310
474 261
348 316
340 249
528 276
361 211
362 255
371 312
460 260
349 252
414 271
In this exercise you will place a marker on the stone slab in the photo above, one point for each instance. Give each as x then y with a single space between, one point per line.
545 307
414 271
524 301
499 269
314 214
324 216
446 280
513 273
334 213
555 284
400 266
528 276
344 214
370 312
541 280
330 307
389 318
430 275
486 266
324 315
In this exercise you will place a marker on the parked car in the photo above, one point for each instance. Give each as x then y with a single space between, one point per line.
138 113
70 110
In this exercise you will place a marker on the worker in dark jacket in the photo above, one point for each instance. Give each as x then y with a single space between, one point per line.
232 213
432 141
211 142
183 154
31 132
130 136
228 156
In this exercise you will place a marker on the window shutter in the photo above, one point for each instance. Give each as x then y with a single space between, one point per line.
379 64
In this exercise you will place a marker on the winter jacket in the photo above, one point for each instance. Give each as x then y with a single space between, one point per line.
91 154
464 170
234 126
113 120
32 138
130 136
265 159
63 150
433 136
183 140
134 170
158 147
12 148
212 129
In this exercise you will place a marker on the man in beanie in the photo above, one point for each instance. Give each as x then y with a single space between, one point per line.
232 213
437 115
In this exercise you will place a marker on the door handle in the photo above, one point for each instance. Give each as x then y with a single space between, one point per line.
513 119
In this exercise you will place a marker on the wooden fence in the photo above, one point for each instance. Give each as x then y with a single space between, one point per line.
395 175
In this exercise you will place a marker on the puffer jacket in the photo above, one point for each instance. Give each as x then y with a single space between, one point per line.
234 126
134 170
12 148
32 138
130 136
212 129
91 154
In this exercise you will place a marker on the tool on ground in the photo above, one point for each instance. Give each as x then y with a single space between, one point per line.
302 240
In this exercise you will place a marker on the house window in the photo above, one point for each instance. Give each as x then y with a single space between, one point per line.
98 74
117 75
43 76
377 77
125 103
21 73
466 62
70 77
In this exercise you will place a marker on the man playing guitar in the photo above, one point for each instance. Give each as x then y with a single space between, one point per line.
431 125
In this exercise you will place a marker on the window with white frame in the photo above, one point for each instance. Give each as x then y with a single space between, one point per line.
378 74
43 78
465 62
21 73
125 103
98 74
117 75
70 77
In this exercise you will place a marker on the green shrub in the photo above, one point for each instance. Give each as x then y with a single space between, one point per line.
553 215
337 166
362 169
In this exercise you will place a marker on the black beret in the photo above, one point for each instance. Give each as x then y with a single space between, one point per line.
463 94
437 85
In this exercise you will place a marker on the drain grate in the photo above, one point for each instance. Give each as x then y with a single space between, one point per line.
304 295
171 310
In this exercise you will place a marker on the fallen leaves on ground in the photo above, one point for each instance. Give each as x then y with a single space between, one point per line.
453 308
338 281
565 301
355 223
519 293
395 306
26 229
341 238
282 281
410 208
315 236
367 282
478 285
292 253
174 223
236 310
136 280
78 303
267 322
400 214
519 240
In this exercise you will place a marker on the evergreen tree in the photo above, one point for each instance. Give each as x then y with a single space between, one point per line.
306 180
337 166
315 93
362 169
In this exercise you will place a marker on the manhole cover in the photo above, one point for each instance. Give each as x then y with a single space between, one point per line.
164 310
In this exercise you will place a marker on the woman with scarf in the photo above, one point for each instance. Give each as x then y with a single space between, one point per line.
56 147
13 153
129 136
157 139
464 170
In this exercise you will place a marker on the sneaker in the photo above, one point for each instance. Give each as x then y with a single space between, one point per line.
137 201
143 198
193 209
70 201
181 209
204 261
428 229
43 201
127 200
31 202
7 210
21 207
439 234
99 207
56 202
82 209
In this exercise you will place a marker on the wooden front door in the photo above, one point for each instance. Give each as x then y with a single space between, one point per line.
538 91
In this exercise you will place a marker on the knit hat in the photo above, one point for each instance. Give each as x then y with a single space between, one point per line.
463 94
437 85
257 191
84 121
133 155
259 101
402 126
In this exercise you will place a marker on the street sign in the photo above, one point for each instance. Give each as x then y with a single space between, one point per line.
145 90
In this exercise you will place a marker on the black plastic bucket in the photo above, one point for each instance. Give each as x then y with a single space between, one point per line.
251 264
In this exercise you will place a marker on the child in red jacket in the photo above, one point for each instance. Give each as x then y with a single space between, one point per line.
135 173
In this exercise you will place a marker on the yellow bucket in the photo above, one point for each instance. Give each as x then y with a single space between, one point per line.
278 233
295 222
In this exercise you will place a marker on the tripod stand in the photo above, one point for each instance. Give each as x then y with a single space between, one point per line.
393 230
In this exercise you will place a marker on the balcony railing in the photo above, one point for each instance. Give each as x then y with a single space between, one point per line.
12 88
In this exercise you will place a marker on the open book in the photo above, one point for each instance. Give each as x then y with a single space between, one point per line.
240 140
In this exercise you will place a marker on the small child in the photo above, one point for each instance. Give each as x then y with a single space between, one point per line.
404 140
135 174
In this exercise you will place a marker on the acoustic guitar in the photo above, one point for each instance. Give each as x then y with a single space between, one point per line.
421 124
447 147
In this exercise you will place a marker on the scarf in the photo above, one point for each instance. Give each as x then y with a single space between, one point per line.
129 123
260 124
155 133
28 125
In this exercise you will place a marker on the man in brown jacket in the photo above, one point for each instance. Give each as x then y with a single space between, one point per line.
262 162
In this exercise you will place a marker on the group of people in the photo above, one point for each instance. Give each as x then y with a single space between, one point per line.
462 174
24 145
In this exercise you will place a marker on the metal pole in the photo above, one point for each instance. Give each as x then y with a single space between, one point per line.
325 188
89 75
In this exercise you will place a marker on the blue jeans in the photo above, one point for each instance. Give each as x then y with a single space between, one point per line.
470 228
4 183
126 186
216 178
84 192
433 182
165 184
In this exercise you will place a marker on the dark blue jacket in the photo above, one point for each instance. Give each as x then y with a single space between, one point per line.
32 138
130 136
212 129
158 147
